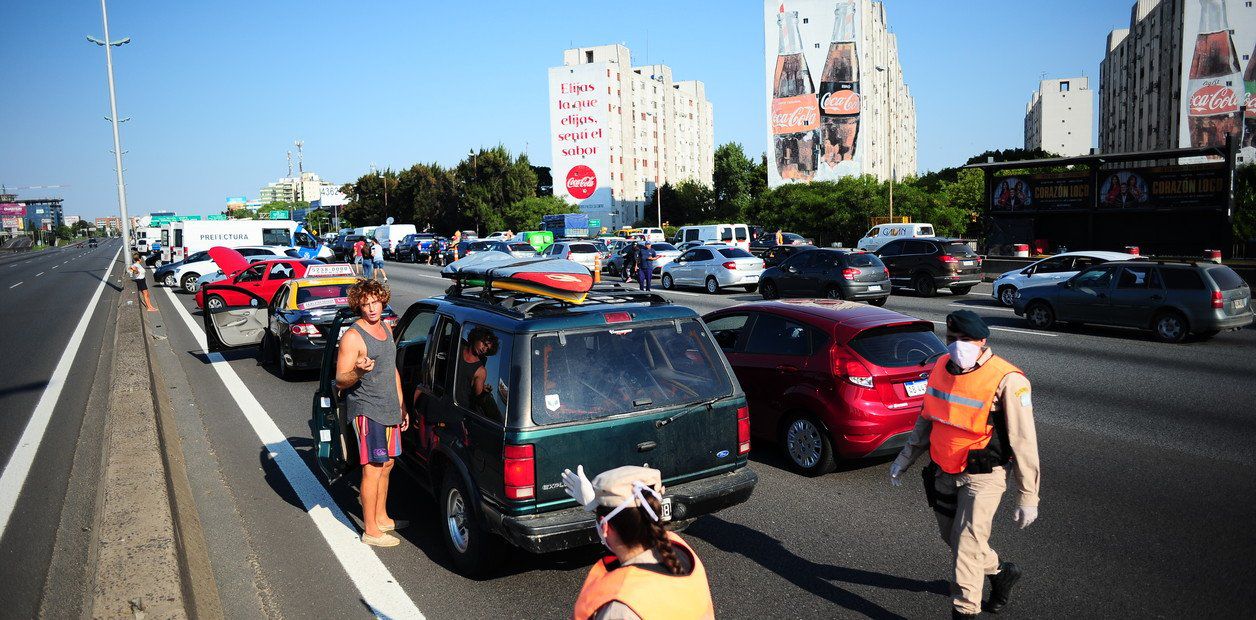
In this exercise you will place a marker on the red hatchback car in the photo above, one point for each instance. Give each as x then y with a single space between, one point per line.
247 281
828 379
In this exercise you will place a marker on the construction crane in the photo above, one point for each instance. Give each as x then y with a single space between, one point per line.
4 189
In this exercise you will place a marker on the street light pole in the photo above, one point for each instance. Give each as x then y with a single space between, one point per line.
113 112
890 135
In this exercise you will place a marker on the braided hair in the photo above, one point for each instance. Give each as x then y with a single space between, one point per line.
635 527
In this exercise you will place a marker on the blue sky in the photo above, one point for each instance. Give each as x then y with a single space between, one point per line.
217 91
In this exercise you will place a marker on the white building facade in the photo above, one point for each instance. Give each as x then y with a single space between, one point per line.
306 188
837 102
617 131
1140 80
1058 117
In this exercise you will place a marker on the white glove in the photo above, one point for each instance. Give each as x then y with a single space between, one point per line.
896 474
579 487
1025 515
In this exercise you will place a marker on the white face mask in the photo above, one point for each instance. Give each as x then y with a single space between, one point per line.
637 494
964 353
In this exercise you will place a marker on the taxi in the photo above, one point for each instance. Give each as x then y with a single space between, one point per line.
300 315
248 282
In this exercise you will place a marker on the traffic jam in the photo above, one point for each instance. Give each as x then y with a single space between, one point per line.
546 383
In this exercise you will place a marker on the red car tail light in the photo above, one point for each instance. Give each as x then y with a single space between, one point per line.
849 273
304 329
1217 302
519 471
730 265
947 258
850 369
887 271
617 317
743 430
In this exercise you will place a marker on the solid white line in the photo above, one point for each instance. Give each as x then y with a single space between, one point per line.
373 580
16 285
19 465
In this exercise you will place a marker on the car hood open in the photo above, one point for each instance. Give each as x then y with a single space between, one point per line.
228 260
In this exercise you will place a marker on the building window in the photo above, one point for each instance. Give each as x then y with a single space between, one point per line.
1064 87
588 57
806 20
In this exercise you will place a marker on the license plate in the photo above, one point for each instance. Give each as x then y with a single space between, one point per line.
667 509
966 263
916 388
874 287
752 277
1239 304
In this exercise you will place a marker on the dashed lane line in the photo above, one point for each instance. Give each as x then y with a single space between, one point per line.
19 465
16 285
379 590
40 274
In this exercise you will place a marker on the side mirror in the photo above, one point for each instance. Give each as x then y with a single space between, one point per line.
1027 272
1066 284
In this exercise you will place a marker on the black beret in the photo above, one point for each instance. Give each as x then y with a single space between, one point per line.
968 323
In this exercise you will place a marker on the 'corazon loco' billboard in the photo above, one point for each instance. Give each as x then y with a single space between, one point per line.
813 118
1219 74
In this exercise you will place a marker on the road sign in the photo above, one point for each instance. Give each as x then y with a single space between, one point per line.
279 215
217 217
595 223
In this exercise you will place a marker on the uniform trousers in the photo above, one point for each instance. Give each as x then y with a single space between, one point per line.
968 533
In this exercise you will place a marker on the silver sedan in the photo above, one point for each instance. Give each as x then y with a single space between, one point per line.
714 267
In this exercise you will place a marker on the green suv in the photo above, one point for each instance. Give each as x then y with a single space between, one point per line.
626 378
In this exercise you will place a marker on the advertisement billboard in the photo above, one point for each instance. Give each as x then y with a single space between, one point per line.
579 103
1148 189
9 209
1218 74
813 89
12 222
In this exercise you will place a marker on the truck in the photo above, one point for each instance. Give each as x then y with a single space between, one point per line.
567 224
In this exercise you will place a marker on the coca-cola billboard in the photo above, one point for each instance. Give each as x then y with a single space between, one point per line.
815 87
1218 75
580 133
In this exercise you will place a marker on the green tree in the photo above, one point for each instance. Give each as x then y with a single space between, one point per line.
318 220
734 180
1244 220
526 214
489 182
687 202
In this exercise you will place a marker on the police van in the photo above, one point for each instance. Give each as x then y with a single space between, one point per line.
188 237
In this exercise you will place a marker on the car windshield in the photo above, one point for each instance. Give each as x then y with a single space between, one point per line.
521 247
322 295
898 346
664 247
1225 278
735 253
595 374
791 237
958 249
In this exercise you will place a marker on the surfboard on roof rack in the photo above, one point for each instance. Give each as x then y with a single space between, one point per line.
548 277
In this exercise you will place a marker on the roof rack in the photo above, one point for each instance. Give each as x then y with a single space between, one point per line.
525 305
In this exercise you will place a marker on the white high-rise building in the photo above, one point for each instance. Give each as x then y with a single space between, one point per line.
1058 117
618 131
306 188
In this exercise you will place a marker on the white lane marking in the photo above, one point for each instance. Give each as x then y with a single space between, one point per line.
16 285
980 307
55 266
40 274
373 580
1014 331
19 465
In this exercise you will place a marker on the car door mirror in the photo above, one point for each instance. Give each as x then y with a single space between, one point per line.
1066 284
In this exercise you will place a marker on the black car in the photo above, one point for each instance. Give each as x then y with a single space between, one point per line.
93 242
836 274
414 247
778 253
466 248
624 378
926 264
766 241
298 319
342 247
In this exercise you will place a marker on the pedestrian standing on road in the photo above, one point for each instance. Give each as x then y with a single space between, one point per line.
978 426
651 573
366 369
377 256
368 264
645 265
140 277
780 237
630 262
358 246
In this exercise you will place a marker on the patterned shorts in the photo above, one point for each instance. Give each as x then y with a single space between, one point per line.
377 443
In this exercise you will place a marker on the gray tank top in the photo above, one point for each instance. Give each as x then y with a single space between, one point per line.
375 395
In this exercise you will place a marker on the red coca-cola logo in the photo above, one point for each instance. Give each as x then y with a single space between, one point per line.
581 182
840 102
1213 99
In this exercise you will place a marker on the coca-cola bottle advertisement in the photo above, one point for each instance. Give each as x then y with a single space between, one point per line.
795 114
839 90
1212 89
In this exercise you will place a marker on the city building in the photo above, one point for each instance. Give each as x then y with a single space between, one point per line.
1058 117
617 131
71 220
1175 78
837 101
109 225
41 213
304 188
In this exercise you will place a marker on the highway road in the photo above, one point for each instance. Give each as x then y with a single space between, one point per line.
55 308
1147 496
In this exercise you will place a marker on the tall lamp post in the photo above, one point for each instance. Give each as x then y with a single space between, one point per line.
113 118
890 133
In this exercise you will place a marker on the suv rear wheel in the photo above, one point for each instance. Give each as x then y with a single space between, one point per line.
473 549
924 285
1170 326
807 446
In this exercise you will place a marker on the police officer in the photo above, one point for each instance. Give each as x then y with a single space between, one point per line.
645 265
652 573
978 425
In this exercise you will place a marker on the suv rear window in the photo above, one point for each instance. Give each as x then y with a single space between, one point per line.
736 253
958 249
625 368
1225 278
863 259
582 248
898 346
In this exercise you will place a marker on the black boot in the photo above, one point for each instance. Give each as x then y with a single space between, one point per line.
959 615
1001 587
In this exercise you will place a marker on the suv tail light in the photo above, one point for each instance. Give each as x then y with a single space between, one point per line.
519 471
849 273
1217 302
947 258
304 329
743 430
730 265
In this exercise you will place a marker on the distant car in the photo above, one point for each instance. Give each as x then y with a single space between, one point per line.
517 249
767 241
835 274
415 248
93 242
1173 300
689 245
342 248
582 252
778 253
828 379
1048 270
928 264
499 236
298 318
713 268
878 236
465 249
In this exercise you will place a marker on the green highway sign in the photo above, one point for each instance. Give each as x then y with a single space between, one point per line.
595 223
279 215
217 217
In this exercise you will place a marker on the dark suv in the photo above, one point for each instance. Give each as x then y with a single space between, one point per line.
836 274
626 378
414 247
342 247
926 264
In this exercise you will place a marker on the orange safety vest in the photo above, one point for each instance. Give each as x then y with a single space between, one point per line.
649 594
959 407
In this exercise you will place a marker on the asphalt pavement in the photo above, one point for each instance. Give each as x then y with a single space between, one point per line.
1146 494
50 348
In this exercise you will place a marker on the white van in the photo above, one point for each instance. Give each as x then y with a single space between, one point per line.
189 237
885 233
736 235
654 235
144 236
390 235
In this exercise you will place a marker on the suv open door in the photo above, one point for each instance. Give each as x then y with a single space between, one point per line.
335 449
